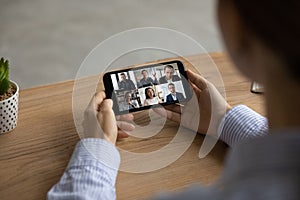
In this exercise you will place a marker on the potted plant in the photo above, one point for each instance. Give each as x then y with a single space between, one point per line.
9 94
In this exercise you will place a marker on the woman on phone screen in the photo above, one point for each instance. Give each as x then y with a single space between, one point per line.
151 98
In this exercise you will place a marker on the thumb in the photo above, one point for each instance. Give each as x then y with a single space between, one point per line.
196 79
107 120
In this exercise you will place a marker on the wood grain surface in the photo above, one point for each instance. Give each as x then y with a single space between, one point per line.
34 155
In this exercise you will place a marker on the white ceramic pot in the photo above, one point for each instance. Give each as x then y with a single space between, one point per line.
9 111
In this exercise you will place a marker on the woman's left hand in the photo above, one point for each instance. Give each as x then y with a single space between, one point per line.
100 121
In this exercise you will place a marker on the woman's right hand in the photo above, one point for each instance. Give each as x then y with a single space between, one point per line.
207 96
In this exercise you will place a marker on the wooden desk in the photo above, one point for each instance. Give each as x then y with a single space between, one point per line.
34 156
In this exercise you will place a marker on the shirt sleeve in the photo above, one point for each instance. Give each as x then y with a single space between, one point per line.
91 172
241 123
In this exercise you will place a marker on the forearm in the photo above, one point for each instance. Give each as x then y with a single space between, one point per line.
242 123
91 172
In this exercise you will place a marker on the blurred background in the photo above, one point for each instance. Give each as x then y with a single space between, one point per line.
47 40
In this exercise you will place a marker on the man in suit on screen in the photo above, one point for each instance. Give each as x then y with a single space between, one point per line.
174 96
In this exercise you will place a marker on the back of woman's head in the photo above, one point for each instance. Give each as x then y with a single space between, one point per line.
276 24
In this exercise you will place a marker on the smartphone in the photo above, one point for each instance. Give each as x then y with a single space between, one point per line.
138 88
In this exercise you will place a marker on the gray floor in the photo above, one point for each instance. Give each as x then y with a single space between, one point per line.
46 40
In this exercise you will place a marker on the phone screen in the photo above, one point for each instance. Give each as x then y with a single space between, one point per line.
140 88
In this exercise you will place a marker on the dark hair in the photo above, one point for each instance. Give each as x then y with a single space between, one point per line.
171 84
144 71
276 23
168 66
147 96
122 74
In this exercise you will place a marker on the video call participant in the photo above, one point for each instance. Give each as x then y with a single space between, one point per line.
174 96
146 80
128 102
169 75
151 99
125 83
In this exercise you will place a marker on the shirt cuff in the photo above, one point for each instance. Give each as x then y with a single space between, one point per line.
98 153
241 123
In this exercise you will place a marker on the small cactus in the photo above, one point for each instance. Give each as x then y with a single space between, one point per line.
4 79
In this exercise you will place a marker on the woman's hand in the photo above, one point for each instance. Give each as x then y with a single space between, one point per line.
208 96
125 126
100 121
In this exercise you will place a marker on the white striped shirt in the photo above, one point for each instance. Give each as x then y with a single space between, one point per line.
241 123
92 170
